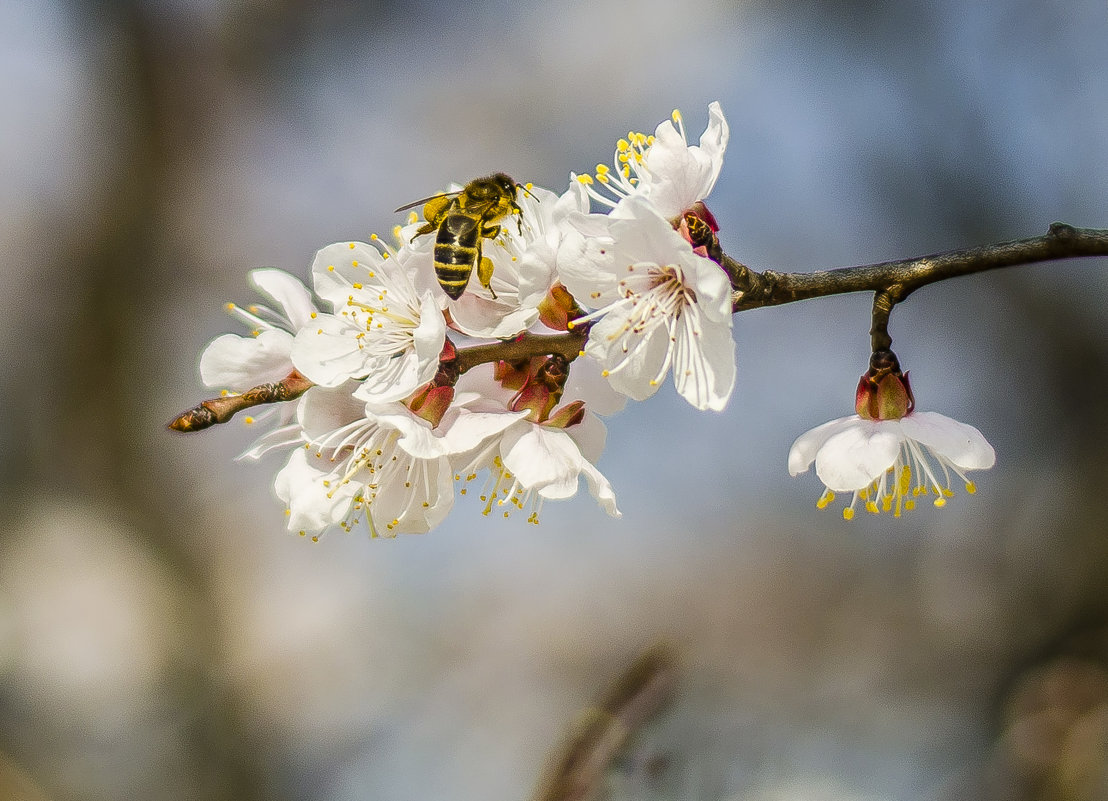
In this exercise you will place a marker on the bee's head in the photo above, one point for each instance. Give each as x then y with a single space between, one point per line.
505 184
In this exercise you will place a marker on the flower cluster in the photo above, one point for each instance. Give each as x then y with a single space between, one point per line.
400 417
491 337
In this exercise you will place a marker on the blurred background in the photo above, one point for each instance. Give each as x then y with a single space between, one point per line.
162 637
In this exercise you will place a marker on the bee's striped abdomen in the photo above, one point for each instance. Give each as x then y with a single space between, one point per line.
457 250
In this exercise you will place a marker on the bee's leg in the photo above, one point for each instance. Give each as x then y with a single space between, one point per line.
518 211
490 232
484 274
426 228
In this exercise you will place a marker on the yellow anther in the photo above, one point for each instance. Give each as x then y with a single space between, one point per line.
585 179
623 145
601 169
357 286
330 268
351 245
871 507
373 237
248 420
940 502
971 488
354 263
230 307
848 513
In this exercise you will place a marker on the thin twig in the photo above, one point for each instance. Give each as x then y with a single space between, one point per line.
222 409
754 290
576 770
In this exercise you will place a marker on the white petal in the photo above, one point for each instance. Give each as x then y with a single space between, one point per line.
287 292
590 435
601 489
704 361
587 269
542 458
337 267
586 383
391 379
312 506
482 317
415 500
712 287
804 449
323 410
962 444
239 363
857 455
327 351
638 369
417 439
469 429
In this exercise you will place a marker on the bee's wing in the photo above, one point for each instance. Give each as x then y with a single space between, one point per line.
425 200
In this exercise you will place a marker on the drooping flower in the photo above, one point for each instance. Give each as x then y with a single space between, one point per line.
664 168
888 461
384 332
660 305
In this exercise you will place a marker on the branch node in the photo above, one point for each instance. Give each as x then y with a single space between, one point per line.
1061 230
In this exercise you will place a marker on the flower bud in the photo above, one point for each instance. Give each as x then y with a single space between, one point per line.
883 391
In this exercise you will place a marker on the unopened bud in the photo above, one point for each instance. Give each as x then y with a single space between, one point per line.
884 392
558 308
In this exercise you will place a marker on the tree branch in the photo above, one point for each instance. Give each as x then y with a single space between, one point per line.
523 347
899 279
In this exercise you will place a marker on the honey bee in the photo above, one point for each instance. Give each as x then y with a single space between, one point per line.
462 220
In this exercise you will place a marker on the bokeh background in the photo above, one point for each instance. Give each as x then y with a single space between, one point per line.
162 637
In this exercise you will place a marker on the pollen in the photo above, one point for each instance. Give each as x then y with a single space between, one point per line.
354 263
229 306
248 420
351 247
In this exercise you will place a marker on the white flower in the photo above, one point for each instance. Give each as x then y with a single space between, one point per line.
238 363
661 305
377 464
888 463
532 462
664 168
524 266
383 331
